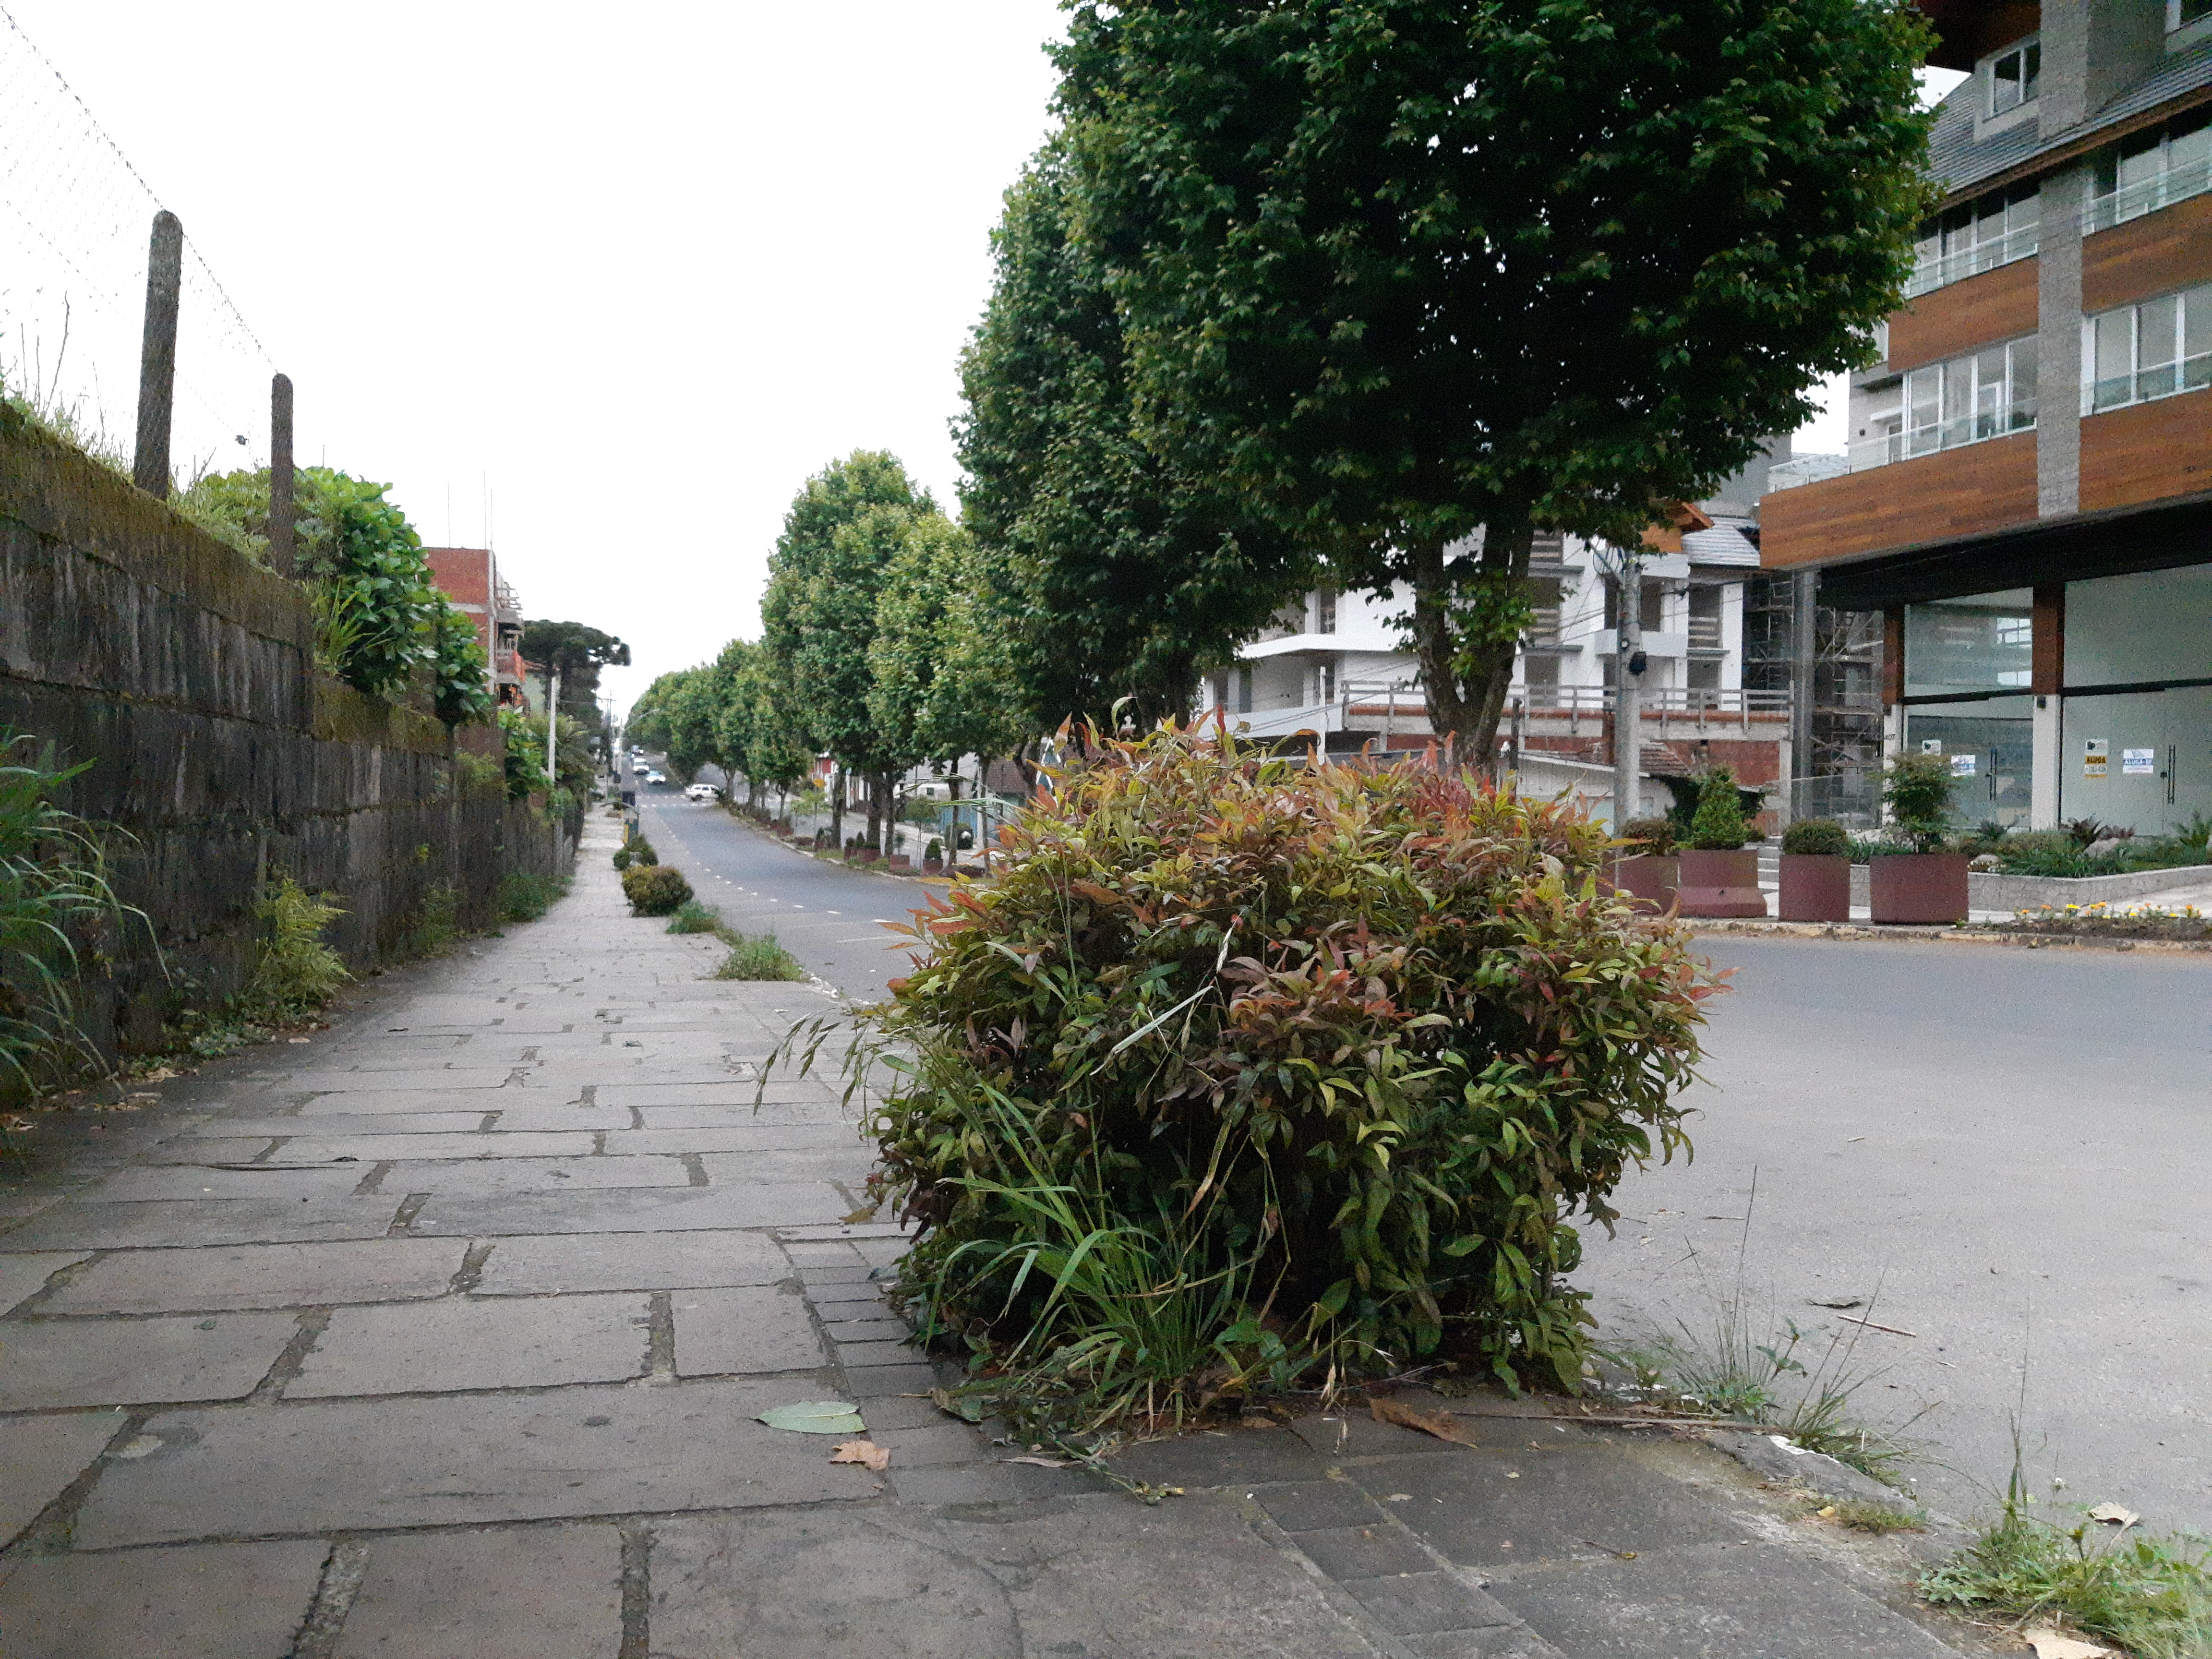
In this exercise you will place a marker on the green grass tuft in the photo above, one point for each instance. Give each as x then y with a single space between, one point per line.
525 895
693 917
756 956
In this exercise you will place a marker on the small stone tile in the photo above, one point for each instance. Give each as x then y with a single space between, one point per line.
76 1226
23 1276
856 1354
640 1209
1241 1457
1424 1604
197 1602
493 1343
495 1177
734 1332
630 1262
889 1328
546 1592
73 1362
1305 1506
873 1381
989 1482
929 1445
438 1079
1497 1642
261 1276
38 1457
1369 1552
192 1181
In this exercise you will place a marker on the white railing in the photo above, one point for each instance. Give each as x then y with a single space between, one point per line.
1953 433
2118 390
2147 195
1928 275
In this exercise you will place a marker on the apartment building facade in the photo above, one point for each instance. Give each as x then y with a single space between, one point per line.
2027 501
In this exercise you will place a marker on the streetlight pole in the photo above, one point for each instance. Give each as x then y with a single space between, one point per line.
1628 689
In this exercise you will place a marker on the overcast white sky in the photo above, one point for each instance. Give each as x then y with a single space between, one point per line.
632 273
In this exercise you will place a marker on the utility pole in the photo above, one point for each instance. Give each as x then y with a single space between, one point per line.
1627 711
552 724
1804 641
282 514
157 355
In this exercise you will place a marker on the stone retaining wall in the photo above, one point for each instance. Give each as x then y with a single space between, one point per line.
183 674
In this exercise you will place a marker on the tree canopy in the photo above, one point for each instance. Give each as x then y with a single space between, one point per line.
1425 276
1125 575
577 652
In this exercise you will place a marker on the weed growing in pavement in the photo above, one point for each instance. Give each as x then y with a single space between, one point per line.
2153 1595
693 917
1863 1515
438 926
525 895
296 974
756 956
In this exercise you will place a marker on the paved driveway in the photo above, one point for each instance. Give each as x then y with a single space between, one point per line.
2016 1147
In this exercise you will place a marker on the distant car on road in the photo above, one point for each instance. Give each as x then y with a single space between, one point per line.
701 792
656 777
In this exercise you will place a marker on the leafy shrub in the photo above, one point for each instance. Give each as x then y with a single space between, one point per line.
640 851
296 975
655 889
1374 1037
622 857
1822 835
693 917
1656 835
935 850
54 893
461 684
1918 789
478 775
525 895
438 926
1719 826
756 955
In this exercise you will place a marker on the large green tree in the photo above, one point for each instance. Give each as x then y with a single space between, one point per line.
578 651
943 677
1125 575
819 615
1427 276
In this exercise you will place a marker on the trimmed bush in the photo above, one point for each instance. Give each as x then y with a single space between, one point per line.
1918 789
1719 826
935 850
1656 835
1282 1068
622 857
1822 835
655 889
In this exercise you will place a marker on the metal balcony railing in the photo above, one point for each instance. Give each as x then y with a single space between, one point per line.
2176 183
2118 390
1928 274
1953 433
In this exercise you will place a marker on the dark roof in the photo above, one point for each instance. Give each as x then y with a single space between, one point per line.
1958 163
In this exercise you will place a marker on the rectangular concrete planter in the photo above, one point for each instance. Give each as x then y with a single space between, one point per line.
1918 887
1650 879
1717 883
899 862
1815 887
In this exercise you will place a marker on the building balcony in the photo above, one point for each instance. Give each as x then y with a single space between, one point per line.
1930 274
2147 195
1917 499
1954 434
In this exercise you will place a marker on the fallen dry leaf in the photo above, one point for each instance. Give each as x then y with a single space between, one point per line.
1041 1462
2119 1515
2049 1645
1442 1424
877 1458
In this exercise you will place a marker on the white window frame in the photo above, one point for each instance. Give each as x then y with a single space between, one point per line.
1906 441
2176 375
2019 49
1939 263
2168 185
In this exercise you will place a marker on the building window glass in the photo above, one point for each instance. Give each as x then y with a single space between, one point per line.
2149 351
2014 76
1979 643
1993 230
2150 170
1987 394
1325 611
1540 672
2180 13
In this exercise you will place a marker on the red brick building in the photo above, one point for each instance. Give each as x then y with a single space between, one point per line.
469 577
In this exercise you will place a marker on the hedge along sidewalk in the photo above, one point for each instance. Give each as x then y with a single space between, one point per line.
446 1332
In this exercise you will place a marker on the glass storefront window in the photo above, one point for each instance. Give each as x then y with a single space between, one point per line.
1979 643
2154 625
1990 746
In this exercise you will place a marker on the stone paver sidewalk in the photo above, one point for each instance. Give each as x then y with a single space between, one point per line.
445 1334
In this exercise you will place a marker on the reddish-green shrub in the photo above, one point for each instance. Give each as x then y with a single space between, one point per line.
1358 1043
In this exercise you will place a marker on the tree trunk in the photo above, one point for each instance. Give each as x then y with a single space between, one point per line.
1466 628
837 812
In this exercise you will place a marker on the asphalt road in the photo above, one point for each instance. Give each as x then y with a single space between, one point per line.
2016 1147
2006 1153
826 915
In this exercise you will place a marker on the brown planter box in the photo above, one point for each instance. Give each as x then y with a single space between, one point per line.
1721 884
933 866
1649 878
901 862
1815 887
1918 887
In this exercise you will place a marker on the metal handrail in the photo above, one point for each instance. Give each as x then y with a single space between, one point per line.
2146 385
2145 196
1929 275
1953 433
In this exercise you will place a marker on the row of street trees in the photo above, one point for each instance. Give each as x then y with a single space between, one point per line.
1366 291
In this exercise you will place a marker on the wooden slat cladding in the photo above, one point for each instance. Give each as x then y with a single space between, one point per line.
2155 254
1998 305
1933 498
2146 451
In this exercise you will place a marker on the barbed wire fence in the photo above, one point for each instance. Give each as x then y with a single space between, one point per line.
76 226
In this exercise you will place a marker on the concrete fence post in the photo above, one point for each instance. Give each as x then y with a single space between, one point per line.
283 517
157 355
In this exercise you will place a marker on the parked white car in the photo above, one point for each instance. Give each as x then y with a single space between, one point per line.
701 792
656 776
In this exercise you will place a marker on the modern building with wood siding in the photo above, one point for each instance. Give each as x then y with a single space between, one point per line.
2028 499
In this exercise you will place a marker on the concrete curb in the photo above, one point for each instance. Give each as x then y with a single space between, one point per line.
1860 933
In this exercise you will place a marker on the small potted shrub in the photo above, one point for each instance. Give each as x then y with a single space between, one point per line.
1920 882
1646 868
932 858
1816 871
1719 878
